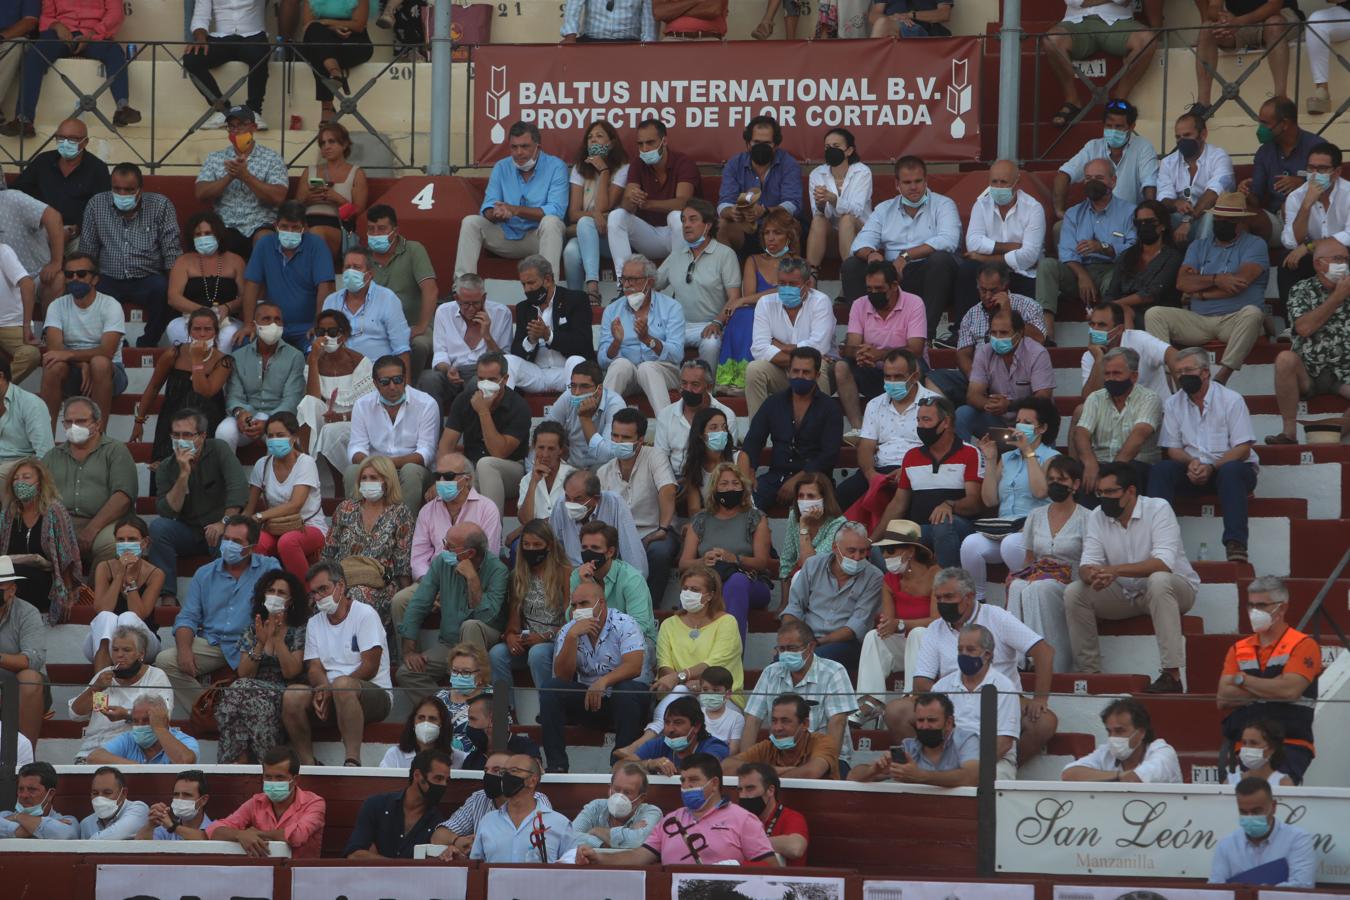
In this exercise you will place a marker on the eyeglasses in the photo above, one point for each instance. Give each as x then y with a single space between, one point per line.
328 332
633 279
78 273
183 435
389 379
462 672
789 648
448 476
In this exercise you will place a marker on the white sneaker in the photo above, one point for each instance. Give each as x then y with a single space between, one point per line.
852 436
215 120
258 120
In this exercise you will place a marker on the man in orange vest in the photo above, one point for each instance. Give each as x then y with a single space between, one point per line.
1272 674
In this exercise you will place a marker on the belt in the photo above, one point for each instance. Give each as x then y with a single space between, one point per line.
691 35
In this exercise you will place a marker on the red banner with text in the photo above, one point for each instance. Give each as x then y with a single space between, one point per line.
916 96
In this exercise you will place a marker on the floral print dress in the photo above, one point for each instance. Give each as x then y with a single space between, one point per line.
390 541
248 712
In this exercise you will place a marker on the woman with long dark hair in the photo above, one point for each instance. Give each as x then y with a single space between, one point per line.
1145 275
711 443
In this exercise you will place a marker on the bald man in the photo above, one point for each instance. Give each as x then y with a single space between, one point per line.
66 177
1007 225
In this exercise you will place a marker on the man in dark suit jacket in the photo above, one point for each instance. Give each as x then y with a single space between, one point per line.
553 331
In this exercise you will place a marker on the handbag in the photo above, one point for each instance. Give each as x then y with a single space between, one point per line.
284 525
203 714
363 571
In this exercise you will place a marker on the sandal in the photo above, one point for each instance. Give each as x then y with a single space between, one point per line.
594 294
1064 115
351 763
763 31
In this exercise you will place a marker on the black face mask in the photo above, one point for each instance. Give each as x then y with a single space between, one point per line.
1058 492
433 793
536 556
1189 148
128 671
537 295
1111 507
691 399
928 436
1224 229
761 154
950 612
1147 231
492 785
1191 384
511 784
931 738
753 805
1118 388
834 157
730 499
1096 191
878 299
594 556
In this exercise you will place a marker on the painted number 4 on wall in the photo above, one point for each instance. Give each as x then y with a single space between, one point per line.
424 198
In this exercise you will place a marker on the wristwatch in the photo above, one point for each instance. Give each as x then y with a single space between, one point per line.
904 254
1239 678
682 676
803 531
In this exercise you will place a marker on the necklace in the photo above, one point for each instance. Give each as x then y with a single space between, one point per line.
211 292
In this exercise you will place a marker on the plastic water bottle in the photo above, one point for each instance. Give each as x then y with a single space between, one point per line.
1204 550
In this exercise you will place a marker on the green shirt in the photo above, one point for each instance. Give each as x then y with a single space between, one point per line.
85 487
272 387
626 591
443 581
404 274
216 483
25 425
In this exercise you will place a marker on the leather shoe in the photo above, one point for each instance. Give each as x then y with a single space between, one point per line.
1165 683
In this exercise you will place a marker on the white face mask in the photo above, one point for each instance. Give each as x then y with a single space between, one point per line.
582 613
620 807
1252 757
78 434
104 807
270 334
810 506
330 345
896 565
1336 271
635 301
326 605
576 511
274 603
1260 619
372 490
692 601
1120 746
489 388
184 809
427 732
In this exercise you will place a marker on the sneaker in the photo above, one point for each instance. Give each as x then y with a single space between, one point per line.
946 341
1165 683
213 121
259 122
1319 101
852 436
1237 552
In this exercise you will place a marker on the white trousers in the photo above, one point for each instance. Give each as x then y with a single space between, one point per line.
528 378
628 232
977 551
177 330
656 379
228 431
105 624
1327 26
882 656
326 439
709 348
1040 606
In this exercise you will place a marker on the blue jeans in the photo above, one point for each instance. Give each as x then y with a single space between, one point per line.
946 539
662 554
150 293
539 658
581 256
972 422
845 653
1232 482
47 49
169 539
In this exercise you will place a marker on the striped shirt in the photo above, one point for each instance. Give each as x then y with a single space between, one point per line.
464 821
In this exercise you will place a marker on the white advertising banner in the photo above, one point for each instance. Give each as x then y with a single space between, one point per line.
1119 892
946 890
779 886
565 881
432 882
165 882
1152 831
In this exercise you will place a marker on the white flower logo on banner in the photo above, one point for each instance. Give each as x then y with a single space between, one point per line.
959 97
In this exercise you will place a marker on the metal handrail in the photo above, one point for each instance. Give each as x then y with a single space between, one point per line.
1319 610
9 738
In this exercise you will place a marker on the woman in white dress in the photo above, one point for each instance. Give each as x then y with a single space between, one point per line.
106 703
284 485
841 197
338 376
1054 540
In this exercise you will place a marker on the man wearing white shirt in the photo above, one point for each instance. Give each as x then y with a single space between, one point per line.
1207 440
542 487
464 329
584 410
399 422
673 422
1107 331
18 294
1006 225
643 480
888 427
1319 209
796 315
919 232
1192 177
1132 753
1133 564
225 31
974 657
1134 159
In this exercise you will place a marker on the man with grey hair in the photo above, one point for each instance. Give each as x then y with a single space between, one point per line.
1271 675
151 740
795 315
673 422
465 329
642 337
837 595
975 647
95 476
1119 422
1207 437
523 208
553 330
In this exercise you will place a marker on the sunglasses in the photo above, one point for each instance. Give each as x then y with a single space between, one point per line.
448 476
78 273
388 380
328 332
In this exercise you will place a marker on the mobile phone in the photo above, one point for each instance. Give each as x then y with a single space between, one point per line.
1003 438
317 183
898 754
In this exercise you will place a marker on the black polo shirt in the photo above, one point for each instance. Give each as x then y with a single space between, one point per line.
511 416
380 822
44 181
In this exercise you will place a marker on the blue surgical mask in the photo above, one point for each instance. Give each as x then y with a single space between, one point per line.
1098 338
915 204
693 799
132 548
1323 179
1001 196
969 664
34 810
623 449
353 279
1001 345
677 744
1255 827
126 202
896 390
290 239
279 447
716 440
850 565
232 551
792 660
205 244
576 399
696 243
463 683
790 295
1115 138
67 148
143 735
450 558
650 157
779 253
395 402
447 490
378 243
1028 431
277 791
783 743
183 444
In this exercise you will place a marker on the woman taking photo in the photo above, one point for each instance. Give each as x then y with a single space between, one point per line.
206 277
126 676
193 375
338 377
126 590
374 523
426 728
271 656
537 599
812 523
286 483
597 183
333 190
710 445
38 534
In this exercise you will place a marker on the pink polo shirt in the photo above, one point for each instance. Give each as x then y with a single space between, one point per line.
434 521
301 823
730 831
907 321
693 24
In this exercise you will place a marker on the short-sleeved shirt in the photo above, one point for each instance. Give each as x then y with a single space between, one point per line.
679 168
380 824
1152 359
1138 166
85 486
620 635
704 294
817 745
966 703
975 323
786 822
21 228
908 320
43 178
826 681
895 432
511 416
641 490
338 647
11 298
1031 370
656 748
292 282
304 472
1109 427
729 832
83 329
934 481
1328 348
1208 431
1015 500
1208 257
1159 765
404 273
239 208
1305 660
1012 641
125 746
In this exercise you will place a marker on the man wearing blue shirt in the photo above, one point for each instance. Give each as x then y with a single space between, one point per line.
268 377
642 337
151 741
184 817
379 327
219 607
1263 851
764 167
1093 234
35 815
917 231
293 269
523 209
1132 157
522 831
685 734
116 817
1223 279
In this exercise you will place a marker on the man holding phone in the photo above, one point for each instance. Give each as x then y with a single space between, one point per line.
940 754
